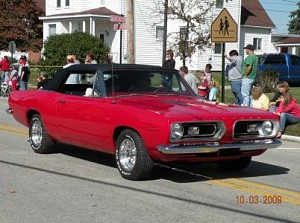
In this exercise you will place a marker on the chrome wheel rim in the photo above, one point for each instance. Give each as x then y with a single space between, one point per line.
36 133
127 154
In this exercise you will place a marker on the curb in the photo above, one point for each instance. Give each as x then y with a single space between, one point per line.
291 138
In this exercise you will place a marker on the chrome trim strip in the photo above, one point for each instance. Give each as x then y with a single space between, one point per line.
211 148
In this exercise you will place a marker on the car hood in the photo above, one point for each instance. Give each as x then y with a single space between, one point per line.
187 107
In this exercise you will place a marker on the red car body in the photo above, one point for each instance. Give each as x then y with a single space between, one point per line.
143 126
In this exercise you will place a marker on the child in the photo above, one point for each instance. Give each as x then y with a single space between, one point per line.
214 93
42 80
208 73
203 88
14 80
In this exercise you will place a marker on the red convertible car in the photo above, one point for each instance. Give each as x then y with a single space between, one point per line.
143 115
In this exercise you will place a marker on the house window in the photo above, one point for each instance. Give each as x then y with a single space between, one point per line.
219 4
160 33
218 48
257 43
67 2
102 38
58 3
52 29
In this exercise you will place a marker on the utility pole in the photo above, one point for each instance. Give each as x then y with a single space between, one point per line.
130 32
165 30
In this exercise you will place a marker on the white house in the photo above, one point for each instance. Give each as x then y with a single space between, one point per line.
99 17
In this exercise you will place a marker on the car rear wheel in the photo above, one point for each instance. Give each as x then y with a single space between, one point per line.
235 165
132 158
39 140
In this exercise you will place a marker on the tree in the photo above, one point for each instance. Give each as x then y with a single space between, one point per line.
19 22
194 33
57 47
195 18
294 23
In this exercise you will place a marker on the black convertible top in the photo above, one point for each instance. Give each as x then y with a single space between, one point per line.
61 74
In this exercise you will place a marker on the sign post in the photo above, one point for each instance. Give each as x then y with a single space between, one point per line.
223 30
119 25
12 48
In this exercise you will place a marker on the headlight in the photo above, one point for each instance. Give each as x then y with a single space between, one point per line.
266 129
176 131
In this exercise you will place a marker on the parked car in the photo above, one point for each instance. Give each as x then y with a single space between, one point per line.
143 115
288 66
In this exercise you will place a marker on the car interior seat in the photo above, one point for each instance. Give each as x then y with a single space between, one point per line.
90 93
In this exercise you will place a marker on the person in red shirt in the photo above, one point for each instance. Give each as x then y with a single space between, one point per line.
203 88
5 68
289 112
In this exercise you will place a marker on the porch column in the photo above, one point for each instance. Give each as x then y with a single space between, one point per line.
94 27
70 26
91 25
294 50
83 26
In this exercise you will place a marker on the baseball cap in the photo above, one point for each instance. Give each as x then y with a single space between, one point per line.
23 57
249 47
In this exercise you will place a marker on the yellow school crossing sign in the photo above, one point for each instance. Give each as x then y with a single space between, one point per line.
224 29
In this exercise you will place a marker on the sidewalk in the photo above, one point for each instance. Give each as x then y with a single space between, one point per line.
290 138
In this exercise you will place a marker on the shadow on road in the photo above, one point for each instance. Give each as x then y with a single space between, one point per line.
179 172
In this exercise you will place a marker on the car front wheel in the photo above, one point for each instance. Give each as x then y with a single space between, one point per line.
39 140
132 158
235 165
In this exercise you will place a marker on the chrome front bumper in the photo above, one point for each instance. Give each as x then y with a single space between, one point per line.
215 147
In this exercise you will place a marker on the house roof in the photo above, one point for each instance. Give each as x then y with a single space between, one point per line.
288 40
102 11
254 14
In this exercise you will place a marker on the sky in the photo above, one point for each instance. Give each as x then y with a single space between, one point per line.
279 11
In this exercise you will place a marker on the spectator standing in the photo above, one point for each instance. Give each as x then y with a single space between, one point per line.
249 71
4 68
234 75
73 78
208 73
289 112
190 78
90 59
259 100
203 88
169 62
25 74
214 92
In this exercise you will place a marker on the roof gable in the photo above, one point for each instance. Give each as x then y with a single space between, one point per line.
254 14
102 11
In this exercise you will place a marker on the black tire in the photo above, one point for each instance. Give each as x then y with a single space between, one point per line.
132 158
235 165
39 140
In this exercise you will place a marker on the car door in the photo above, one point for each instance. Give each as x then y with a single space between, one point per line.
80 118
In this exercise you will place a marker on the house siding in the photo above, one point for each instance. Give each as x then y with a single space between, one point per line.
249 33
148 50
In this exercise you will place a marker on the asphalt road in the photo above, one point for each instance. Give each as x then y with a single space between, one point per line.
75 185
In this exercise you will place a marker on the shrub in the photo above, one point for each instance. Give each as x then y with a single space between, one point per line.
57 47
267 80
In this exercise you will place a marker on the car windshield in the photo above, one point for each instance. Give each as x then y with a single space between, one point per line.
127 82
